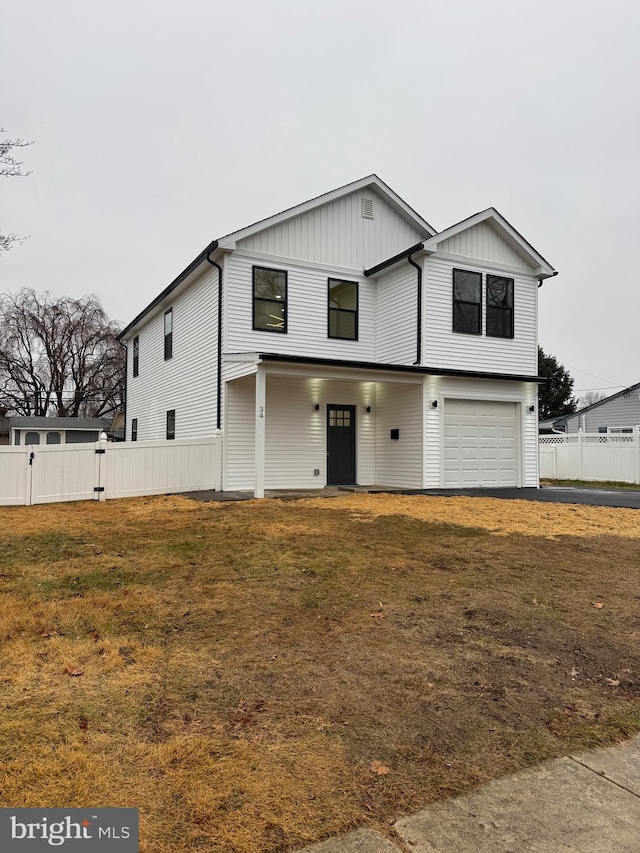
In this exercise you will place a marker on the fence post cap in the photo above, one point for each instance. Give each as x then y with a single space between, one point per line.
103 436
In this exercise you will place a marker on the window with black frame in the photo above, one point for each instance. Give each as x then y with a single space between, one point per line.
343 309
467 302
136 354
499 306
168 334
269 300
171 424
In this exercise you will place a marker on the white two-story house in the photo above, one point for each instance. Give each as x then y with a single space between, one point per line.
344 341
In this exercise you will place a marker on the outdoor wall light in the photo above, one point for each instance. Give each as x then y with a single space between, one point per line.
317 407
368 409
532 408
434 404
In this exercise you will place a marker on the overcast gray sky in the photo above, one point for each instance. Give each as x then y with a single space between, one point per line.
160 126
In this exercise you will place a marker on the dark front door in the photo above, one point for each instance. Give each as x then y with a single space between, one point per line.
341 445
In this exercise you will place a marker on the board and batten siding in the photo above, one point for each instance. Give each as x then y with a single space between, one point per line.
307 313
441 389
442 347
399 461
187 381
396 312
482 242
338 235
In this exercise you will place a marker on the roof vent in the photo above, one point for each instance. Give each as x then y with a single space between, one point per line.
367 208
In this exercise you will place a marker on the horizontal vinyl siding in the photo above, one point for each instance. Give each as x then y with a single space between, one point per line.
337 234
482 242
399 462
296 432
443 388
396 316
239 435
621 412
307 314
448 349
187 381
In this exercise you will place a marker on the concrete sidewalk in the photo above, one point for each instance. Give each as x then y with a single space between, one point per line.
587 803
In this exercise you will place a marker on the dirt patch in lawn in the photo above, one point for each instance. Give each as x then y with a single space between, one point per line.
254 676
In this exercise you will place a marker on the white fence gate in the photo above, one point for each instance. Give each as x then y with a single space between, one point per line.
98 471
591 456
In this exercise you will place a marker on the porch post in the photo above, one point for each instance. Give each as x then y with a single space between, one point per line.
261 388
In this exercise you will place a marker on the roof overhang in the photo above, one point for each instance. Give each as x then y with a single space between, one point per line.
541 267
371 182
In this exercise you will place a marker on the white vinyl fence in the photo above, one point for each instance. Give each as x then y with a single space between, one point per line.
591 456
74 472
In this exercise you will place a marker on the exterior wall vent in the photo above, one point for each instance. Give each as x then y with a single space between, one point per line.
367 208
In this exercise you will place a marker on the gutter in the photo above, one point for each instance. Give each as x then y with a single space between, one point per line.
407 255
553 275
219 348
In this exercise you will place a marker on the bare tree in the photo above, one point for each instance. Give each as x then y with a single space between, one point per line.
589 398
11 167
59 356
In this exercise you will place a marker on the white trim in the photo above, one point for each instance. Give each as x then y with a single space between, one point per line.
504 230
370 182
299 263
484 265
261 415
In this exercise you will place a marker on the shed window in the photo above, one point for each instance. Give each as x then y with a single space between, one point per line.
269 300
467 302
343 309
53 438
168 334
499 306
171 423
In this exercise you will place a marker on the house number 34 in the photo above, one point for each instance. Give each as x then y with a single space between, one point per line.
261 411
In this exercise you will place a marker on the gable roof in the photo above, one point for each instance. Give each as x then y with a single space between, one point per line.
626 392
228 242
26 422
372 182
506 231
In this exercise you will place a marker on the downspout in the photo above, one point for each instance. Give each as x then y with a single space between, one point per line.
219 353
419 308
126 382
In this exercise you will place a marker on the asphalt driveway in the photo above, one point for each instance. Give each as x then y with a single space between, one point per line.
626 498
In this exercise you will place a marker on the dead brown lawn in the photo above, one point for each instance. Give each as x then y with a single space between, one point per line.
239 672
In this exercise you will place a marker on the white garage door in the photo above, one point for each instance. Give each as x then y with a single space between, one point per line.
479 444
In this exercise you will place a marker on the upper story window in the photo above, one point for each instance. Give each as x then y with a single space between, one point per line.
171 424
499 306
269 300
168 334
343 309
134 429
467 302
136 354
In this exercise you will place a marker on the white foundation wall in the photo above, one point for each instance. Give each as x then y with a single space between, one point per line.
438 388
399 461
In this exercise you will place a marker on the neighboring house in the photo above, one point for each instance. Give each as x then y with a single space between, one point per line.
617 414
4 430
32 430
344 341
